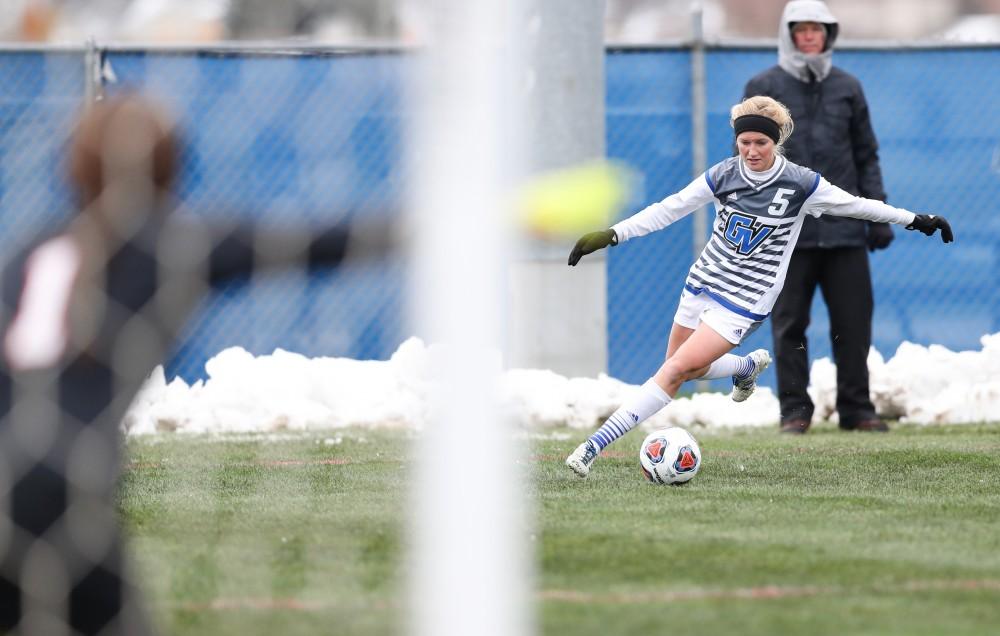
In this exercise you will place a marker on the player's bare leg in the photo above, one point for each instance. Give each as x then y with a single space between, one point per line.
692 359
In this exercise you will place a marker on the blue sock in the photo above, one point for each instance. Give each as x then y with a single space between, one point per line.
646 402
745 368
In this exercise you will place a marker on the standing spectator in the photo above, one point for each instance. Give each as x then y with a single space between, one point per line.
834 137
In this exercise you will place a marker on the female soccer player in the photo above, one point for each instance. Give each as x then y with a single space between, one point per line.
760 200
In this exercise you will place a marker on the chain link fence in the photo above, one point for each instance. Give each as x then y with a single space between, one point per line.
304 135
285 138
649 127
282 138
40 96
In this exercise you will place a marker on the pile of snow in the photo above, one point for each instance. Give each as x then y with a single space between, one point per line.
288 391
926 385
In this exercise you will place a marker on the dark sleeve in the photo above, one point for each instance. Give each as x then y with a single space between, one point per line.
865 148
245 249
11 281
12 285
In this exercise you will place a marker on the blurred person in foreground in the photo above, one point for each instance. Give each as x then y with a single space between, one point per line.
834 137
87 312
761 202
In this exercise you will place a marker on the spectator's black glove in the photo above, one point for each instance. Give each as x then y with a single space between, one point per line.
591 243
879 236
928 224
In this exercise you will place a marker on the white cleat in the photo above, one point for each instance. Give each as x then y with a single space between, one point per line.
582 458
744 387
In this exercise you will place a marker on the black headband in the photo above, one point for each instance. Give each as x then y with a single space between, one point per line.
757 123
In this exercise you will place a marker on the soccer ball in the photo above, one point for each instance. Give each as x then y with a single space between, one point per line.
669 456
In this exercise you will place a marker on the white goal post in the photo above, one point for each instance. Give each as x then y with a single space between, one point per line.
469 563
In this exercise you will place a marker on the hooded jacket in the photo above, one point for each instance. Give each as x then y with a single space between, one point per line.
833 133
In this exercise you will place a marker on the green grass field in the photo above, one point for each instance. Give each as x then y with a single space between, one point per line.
830 533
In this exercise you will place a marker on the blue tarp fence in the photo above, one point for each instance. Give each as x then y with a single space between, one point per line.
317 135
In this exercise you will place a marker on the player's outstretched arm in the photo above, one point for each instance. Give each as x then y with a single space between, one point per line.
590 243
930 223
829 199
650 219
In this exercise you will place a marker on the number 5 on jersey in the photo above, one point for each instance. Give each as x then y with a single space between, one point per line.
780 203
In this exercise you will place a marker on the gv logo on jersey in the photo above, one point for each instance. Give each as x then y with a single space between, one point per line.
741 234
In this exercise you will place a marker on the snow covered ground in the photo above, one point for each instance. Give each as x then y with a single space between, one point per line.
287 391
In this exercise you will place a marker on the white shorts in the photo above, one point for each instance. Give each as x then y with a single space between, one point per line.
702 308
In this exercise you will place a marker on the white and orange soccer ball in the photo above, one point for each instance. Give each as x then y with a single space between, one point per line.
670 456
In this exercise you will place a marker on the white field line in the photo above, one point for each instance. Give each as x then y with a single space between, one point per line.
334 461
764 592
265 463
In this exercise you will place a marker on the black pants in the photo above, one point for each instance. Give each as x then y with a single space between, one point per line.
843 276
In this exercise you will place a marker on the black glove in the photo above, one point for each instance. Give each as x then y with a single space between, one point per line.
928 224
879 236
591 243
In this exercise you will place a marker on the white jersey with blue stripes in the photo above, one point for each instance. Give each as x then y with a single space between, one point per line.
758 219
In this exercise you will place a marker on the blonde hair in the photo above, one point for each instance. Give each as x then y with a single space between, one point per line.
768 107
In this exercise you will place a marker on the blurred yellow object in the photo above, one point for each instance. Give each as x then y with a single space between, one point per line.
575 200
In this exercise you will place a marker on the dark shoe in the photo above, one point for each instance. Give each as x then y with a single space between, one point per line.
796 426
872 425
